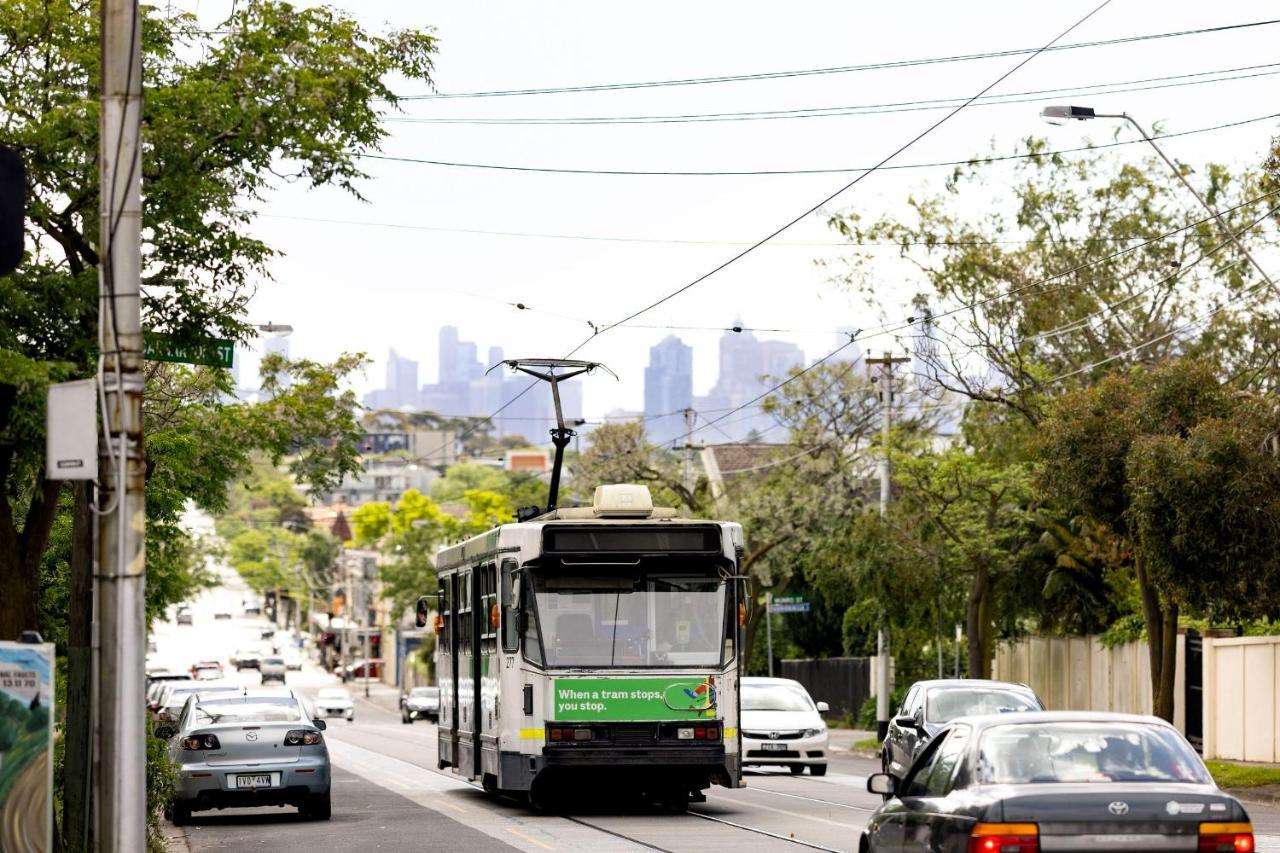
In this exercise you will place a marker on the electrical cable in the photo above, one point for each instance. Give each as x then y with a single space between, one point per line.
1168 81
706 173
841 69
596 332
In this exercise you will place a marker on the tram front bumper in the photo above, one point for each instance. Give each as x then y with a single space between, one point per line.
701 765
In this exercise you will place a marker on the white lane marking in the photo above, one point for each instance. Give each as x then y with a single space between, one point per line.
432 789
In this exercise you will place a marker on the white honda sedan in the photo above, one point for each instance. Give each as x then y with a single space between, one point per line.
782 726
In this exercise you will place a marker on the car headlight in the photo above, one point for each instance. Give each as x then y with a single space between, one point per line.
815 732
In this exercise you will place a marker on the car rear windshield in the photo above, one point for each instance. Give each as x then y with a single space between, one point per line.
945 705
1094 751
774 697
274 661
254 710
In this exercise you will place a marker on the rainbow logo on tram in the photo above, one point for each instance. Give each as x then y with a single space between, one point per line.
696 696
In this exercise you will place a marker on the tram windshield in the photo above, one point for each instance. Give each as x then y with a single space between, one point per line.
632 618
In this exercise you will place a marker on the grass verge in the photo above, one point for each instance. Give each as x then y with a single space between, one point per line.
869 744
1229 775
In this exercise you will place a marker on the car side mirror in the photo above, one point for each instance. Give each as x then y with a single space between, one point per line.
882 784
320 724
163 732
905 722
421 612
917 719
823 707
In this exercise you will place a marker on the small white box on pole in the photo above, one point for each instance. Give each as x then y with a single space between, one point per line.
71 434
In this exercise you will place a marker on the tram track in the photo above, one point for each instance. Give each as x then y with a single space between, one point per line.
691 813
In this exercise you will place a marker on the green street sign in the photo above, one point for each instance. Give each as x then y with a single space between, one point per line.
210 352
788 599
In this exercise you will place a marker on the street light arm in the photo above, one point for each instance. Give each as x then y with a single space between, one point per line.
1204 202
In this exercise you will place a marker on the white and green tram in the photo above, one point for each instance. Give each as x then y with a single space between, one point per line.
595 642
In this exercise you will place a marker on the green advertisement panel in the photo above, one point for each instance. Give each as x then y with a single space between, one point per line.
633 699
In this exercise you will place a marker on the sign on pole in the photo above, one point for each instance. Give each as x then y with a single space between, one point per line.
788 604
210 352
26 747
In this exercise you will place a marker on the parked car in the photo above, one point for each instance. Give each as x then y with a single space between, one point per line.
422 703
782 726
272 668
175 696
292 657
335 702
929 705
1050 780
252 606
206 664
356 669
183 616
248 751
246 659
156 683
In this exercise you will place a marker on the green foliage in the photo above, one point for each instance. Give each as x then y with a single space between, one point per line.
162 781
412 531
1228 775
867 714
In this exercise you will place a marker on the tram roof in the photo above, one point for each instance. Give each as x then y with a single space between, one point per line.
618 505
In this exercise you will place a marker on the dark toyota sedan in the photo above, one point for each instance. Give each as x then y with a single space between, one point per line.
930 705
1048 781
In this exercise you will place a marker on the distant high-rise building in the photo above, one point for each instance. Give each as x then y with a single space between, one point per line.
668 388
746 367
278 346
402 381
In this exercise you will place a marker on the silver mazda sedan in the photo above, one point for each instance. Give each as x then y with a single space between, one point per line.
248 750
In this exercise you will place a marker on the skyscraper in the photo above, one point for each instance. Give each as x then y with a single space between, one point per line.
402 381
668 387
278 346
746 366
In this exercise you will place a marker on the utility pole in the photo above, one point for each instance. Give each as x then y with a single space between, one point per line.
120 770
886 364
768 627
689 417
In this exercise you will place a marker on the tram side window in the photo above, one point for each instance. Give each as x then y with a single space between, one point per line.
510 608
488 606
532 642
464 612
446 614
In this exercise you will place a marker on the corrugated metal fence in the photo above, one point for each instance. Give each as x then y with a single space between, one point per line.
843 683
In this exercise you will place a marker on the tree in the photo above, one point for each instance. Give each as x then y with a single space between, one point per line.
277 93
1088 265
1175 468
620 453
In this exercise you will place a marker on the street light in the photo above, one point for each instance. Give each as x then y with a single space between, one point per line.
1059 114
278 329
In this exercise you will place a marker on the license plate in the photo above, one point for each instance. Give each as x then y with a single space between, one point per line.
255 780
774 747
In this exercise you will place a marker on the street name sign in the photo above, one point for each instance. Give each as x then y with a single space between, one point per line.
209 352
791 604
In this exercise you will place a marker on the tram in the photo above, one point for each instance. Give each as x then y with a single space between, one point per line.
591 645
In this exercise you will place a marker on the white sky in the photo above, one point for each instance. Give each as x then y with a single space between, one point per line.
365 288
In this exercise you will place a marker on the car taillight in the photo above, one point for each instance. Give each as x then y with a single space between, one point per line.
201 742
302 737
1004 838
1226 838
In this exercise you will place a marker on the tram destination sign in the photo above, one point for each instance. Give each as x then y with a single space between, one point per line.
633 699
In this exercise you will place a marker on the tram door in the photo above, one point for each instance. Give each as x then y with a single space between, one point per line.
447 657
468 731
487 670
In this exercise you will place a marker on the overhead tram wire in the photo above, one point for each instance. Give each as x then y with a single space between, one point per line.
702 173
838 69
910 322
596 332
1224 75
856 180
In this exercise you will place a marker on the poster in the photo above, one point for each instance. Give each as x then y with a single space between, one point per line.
26 747
634 699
